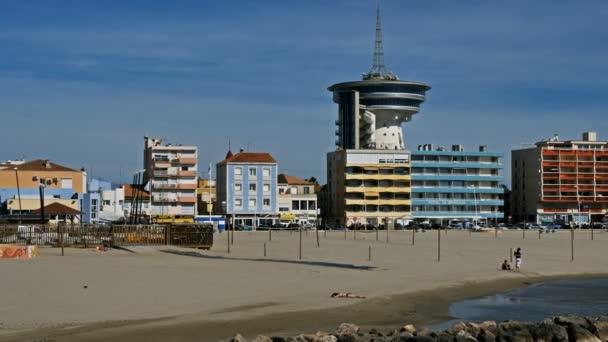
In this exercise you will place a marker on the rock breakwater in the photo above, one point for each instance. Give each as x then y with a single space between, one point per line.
556 329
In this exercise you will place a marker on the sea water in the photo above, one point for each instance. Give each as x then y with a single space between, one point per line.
582 297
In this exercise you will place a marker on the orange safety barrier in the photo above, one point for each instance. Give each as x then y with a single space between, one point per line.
18 252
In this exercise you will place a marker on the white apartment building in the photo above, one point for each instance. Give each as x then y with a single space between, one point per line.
171 174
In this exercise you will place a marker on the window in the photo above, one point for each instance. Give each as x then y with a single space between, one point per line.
295 205
253 171
252 203
312 205
266 187
294 191
267 202
252 187
184 168
238 171
306 189
238 187
106 202
283 209
238 202
66 183
266 172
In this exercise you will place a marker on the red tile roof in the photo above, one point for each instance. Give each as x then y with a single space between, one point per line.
249 157
36 165
58 209
291 180
130 191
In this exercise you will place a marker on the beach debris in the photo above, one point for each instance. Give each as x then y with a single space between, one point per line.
85 287
345 295
262 338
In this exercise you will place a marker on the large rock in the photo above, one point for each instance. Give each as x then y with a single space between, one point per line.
486 335
421 338
569 319
328 338
580 334
346 329
402 337
456 328
445 337
238 338
601 327
548 331
514 331
262 338
278 339
465 336
409 328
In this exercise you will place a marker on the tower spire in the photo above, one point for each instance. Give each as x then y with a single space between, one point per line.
379 70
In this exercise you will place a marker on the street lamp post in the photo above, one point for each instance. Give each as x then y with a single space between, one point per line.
41 187
18 193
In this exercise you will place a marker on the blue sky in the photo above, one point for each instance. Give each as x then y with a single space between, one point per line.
81 82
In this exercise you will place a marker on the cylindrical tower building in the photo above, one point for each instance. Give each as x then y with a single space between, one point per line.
371 112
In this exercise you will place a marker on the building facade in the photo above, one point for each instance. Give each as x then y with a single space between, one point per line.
369 173
171 173
246 185
297 200
206 197
21 183
456 185
103 202
366 187
560 181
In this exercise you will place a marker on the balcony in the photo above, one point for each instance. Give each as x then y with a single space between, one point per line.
186 186
185 199
163 186
164 199
161 163
182 173
184 160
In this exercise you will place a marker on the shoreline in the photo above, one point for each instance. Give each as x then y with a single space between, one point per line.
419 307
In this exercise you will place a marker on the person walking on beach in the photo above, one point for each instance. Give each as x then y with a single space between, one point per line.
517 255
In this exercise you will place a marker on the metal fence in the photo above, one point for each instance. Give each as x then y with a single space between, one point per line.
190 235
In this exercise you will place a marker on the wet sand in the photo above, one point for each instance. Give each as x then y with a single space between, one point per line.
208 296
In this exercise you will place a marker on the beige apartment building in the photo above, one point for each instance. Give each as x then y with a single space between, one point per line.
171 175
368 187
297 200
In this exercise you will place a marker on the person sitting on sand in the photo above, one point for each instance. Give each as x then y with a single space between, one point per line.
506 266
345 295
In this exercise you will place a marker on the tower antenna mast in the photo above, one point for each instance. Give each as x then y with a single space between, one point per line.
379 70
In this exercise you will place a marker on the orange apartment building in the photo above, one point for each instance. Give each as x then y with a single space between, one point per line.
20 183
561 181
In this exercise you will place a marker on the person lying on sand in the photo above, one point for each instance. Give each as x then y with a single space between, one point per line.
345 295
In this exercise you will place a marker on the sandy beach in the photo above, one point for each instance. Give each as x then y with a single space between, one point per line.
157 294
